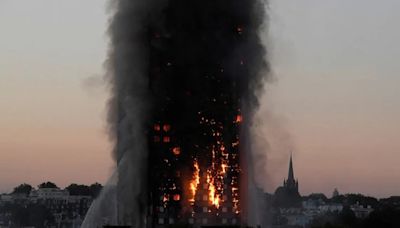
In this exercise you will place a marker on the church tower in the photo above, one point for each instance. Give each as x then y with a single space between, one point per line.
288 195
291 184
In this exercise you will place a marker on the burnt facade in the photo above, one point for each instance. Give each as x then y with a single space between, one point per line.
199 75
193 182
185 79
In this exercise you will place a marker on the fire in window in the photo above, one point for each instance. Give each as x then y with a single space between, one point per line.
177 197
166 127
176 150
157 127
239 119
166 139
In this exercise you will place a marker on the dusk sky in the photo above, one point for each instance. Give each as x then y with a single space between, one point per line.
333 100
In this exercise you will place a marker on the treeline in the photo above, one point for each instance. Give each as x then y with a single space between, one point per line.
386 212
73 189
386 216
352 198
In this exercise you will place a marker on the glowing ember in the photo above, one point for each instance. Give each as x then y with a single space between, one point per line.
166 127
224 167
239 119
176 150
177 197
165 198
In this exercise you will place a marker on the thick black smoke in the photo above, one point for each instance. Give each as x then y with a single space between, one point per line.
178 61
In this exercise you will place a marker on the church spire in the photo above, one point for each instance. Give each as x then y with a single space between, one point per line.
291 173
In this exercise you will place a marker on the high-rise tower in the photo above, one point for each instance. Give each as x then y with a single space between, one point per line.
186 76
197 87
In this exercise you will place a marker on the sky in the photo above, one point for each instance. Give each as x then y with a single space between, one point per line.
332 100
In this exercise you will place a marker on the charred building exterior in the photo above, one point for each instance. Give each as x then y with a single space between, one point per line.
194 164
201 62
198 77
194 179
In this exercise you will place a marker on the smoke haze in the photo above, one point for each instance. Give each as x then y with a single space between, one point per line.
177 60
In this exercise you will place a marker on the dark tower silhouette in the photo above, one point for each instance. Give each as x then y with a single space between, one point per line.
198 83
288 195
186 76
291 184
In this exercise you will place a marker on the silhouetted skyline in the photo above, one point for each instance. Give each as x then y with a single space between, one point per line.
334 102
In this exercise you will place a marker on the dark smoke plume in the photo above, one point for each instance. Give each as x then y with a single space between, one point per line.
174 60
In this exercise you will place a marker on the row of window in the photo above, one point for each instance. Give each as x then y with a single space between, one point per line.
203 221
165 139
165 127
204 209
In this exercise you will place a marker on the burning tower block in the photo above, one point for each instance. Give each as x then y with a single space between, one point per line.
195 85
200 74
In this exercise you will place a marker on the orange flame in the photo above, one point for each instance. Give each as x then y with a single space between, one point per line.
176 150
177 197
239 119
195 182
224 167
213 197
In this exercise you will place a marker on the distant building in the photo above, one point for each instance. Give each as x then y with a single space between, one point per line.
288 195
335 193
49 193
361 211
66 210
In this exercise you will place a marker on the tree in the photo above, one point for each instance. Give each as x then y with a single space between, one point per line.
47 185
388 217
347 217
22 189
84 190
95 189
362 200
317 196
391 201
78 190
350 199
